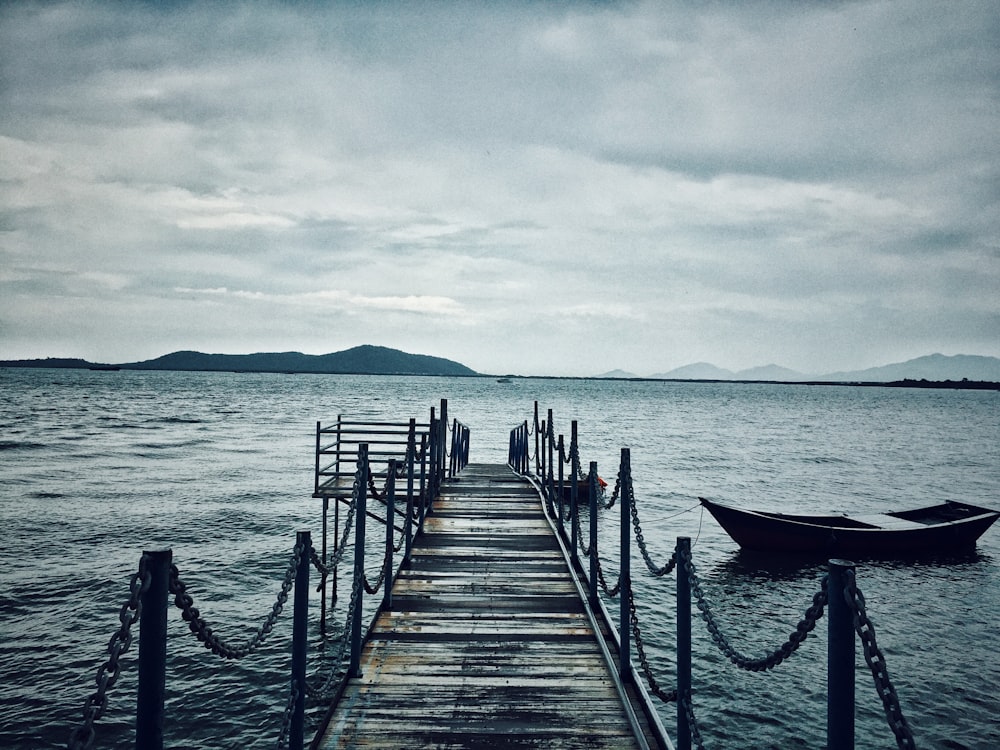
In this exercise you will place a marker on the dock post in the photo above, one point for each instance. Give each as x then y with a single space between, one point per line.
574 492
561 490
683 643
538 458
625 593
390 521
300 640
443 448
840 660
322 587
525 467
550 440
432 463
318 448
153 652
423 482
411 450
359 560
592 495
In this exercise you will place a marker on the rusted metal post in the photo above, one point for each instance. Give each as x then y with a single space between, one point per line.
683 643
359 560
625 592
390 520
592 495
840 660
300 640
153 652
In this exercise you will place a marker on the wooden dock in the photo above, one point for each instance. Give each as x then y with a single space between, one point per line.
488 643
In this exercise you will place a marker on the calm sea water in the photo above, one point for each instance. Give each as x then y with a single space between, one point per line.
97 466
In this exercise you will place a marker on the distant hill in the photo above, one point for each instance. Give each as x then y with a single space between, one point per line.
361 360
617 374
931 367
697 371
770 372
65 363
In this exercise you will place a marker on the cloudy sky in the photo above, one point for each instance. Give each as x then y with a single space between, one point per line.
534 188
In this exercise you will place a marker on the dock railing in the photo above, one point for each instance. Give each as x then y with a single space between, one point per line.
537 452
419 461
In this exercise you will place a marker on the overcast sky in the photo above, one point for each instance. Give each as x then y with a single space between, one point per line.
533 188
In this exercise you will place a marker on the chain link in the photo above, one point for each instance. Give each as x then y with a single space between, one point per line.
203 632
876 663
795 639
107 675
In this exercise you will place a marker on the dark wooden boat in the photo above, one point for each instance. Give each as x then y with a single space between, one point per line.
946 527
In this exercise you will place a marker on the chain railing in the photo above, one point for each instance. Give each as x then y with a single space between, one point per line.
838 591
158 579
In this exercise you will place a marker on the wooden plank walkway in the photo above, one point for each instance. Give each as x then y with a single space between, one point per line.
488 643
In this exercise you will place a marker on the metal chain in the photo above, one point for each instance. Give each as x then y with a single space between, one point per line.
795 639
643 660
203 632
373 588
637 527
325 691
612 592
286 719
692 723
876 663
83 736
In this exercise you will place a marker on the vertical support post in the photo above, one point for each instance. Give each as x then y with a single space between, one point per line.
322 588
442 468
561 491
153 652
318 447
300 640
549 443
359 559
625 594
390 522
574 492
340 418
525 441
592 499
683 643
538 457
336 549
840 660
411 451
423 481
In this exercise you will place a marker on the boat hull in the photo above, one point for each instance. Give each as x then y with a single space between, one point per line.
834 536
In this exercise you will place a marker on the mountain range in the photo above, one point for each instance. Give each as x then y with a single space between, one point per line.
361 360
380 360
935 367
